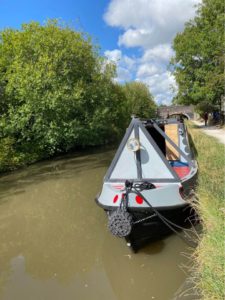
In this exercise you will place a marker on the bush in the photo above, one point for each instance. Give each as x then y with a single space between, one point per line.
9 158
55 94
139 100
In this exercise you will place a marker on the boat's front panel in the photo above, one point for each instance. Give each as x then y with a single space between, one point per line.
163 195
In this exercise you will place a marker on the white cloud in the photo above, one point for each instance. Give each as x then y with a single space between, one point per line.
135 38
164 99
118 58
123 74
162 86
150 25
159 83
161 53
114 55
129 62
125 64
147 70
149 22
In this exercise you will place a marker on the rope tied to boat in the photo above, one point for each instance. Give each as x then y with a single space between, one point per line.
171 225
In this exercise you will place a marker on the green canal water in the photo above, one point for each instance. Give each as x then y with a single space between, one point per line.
54 243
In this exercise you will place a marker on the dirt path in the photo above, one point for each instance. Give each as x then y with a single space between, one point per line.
211 130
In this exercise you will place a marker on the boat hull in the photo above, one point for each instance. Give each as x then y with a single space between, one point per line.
152 228
152 175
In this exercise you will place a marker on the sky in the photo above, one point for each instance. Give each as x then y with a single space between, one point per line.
136 35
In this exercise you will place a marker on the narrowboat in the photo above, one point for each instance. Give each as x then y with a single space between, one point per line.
147 187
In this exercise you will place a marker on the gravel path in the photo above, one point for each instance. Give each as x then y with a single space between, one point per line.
211 130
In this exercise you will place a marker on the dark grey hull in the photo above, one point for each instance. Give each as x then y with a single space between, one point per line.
153 228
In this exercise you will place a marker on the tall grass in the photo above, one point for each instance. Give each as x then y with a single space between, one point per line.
209 256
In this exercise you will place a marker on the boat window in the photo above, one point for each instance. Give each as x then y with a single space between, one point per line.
157 137
171 130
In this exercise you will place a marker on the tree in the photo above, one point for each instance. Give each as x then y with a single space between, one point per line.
54 92
198 64
139 100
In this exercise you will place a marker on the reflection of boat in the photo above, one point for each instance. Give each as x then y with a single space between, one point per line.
146 186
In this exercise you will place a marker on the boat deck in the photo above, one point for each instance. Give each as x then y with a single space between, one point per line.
181 168
171 130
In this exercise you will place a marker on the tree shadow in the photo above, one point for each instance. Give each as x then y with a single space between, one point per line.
65 167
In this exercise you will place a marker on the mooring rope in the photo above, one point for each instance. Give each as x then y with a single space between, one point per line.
169 223
120 221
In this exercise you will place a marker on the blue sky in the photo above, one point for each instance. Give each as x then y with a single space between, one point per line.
135 34
83 14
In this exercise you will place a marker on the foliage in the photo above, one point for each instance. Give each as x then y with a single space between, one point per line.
54 92
203 107
210 252
198 64
10 158
139 100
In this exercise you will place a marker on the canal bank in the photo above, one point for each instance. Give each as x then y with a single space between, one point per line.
209 256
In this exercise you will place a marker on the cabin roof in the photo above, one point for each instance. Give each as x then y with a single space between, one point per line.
147 163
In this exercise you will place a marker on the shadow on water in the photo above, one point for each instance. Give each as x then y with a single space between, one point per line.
153 248
66 167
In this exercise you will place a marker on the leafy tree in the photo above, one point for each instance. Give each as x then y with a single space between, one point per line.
198 64
203 107
54 92
139 100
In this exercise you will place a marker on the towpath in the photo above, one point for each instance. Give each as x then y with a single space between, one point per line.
212 130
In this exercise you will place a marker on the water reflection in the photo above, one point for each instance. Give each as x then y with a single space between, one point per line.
55 245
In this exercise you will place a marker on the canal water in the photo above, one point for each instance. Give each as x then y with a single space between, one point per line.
54 243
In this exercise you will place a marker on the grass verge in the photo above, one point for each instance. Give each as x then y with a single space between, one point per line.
209 256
